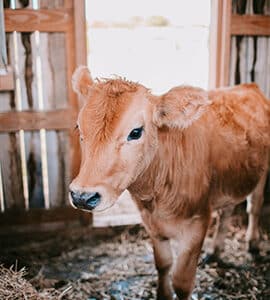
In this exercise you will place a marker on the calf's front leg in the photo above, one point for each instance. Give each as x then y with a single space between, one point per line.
190 242
162 255
163 261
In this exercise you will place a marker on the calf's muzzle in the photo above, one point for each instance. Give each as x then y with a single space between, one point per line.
85 200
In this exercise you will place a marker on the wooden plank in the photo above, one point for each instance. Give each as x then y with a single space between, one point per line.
225 43
38 215
33 166
35 120
6 100
54 82
43 20
219 43
214 57
71 39
250 25
27 98
7 80
59 141
10 155
11 171
58 167
246 52
57 59
76 34
233 60
54 68
238 7
262 73
80 33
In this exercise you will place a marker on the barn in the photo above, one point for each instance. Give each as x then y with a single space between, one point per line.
49 250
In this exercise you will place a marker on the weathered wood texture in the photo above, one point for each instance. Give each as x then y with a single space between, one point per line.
246 33
34 120
250 25
219 43
250 52
11 170
43 20
39 152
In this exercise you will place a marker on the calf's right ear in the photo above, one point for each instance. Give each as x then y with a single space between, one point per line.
82 81
180 107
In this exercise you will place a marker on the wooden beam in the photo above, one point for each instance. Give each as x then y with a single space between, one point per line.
45 20
77 55
40 215
250 25
76 34
35 120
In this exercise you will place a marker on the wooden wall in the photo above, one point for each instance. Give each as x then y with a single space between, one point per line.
39 152
239 43
250 54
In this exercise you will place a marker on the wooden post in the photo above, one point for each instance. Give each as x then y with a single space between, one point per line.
219 43
77 55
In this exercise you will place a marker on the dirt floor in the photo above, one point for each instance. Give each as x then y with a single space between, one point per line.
80 264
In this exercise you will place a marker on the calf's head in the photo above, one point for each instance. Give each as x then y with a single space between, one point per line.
119 128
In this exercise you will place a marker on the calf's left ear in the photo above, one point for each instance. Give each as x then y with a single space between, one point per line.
81 81
180 107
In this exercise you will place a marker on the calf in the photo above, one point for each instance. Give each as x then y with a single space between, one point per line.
181 156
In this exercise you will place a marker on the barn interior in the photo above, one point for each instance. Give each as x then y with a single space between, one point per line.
48 249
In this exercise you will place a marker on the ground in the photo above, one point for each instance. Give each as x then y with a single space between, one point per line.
118 264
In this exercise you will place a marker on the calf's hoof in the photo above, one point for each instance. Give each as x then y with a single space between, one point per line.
208 259
253 248
164 295
181 294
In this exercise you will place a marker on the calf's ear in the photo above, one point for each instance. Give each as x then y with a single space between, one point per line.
180 107
81 81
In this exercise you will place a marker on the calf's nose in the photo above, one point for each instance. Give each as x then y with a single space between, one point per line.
85 200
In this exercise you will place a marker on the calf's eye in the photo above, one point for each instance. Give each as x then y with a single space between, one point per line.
135 134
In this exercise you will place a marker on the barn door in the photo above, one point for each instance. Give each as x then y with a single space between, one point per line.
39 155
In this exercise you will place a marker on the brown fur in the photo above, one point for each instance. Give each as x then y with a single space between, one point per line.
199 151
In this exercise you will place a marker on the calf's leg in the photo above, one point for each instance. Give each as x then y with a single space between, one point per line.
190 244
163 262
221 230
254 204
162 255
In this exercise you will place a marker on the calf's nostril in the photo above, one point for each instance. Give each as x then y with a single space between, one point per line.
85 200
74 196
93 200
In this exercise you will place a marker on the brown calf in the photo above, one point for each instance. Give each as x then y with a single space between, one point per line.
180 155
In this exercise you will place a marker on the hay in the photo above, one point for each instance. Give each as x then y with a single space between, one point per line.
13 286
